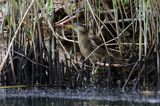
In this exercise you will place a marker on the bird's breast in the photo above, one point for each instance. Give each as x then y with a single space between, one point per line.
85 49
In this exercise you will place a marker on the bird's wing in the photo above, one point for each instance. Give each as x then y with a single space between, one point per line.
95 42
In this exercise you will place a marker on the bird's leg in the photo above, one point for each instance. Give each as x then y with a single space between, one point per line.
92 78
93 74
93 66
95 69
82 63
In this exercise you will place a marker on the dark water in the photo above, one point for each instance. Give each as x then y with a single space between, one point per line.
85 97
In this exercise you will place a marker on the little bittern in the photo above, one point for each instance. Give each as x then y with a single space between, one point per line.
88 44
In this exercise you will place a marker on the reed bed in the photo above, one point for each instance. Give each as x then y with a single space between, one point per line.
41 48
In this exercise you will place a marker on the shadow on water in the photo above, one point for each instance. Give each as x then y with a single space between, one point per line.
81 97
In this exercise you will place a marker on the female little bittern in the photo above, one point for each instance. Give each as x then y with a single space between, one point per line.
88 45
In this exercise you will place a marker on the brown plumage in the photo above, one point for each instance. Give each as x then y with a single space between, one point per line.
88 44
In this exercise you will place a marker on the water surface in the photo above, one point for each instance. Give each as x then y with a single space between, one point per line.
81 97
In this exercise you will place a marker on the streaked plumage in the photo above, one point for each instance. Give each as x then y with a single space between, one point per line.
87 44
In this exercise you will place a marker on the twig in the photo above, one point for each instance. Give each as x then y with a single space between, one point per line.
27 58
65 22
10 45
123 88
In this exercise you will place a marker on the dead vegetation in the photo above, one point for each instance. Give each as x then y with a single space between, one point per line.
42 48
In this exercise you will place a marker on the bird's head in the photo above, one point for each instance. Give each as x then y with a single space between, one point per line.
80 28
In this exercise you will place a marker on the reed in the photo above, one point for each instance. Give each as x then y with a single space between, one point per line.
37 55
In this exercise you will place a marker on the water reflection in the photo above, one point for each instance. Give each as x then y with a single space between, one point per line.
48 97
45 101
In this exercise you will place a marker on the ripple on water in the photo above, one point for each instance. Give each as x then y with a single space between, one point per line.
81 94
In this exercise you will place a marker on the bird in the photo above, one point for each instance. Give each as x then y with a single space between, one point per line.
90 45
